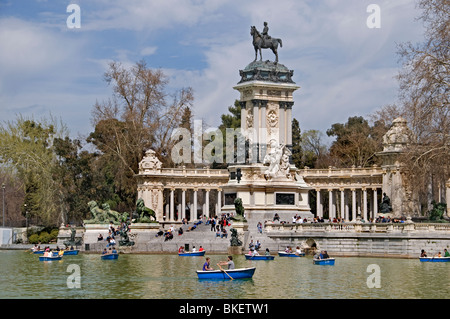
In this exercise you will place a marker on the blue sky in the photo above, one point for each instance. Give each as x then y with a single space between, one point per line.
343 67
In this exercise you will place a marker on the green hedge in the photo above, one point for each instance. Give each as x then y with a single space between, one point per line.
43 237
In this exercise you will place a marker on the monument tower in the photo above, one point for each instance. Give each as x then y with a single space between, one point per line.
268 182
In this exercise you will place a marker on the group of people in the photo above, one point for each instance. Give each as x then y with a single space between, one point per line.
299 220
254 252
321 255
218 224
111 240
110 251
446 253
222 233
289 250
166 233
48 252
229 262
182 250
47 249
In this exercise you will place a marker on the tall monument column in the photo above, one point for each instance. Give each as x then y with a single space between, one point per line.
266 99
268 182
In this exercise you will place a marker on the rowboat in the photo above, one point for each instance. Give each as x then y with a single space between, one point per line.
71 252
66 252
46 258
435 259
328 261
192 254
259 257
285 254
110 256
240 273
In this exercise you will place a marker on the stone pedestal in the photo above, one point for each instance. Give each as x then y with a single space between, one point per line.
235 250
65 234
262 197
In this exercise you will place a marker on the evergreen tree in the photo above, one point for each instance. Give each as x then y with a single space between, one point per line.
297 153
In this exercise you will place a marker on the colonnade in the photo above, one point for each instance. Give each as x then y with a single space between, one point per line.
187 202
348 203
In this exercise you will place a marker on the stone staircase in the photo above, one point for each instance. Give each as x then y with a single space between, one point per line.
147 241
200 236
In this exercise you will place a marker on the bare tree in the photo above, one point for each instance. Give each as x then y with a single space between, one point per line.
424 101
140 115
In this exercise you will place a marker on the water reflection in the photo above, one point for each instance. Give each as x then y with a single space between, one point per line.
173 277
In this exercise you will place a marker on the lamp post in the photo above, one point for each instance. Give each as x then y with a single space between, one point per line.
3 187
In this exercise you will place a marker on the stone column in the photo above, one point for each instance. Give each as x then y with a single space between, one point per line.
262 136
375 203
219 201
207 203
282 123
330 204
172 205
353 205
318 204
243 115
364 211
342 204
347 211
256 128
194 212
183 204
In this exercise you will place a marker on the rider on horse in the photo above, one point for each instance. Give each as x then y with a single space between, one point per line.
265 33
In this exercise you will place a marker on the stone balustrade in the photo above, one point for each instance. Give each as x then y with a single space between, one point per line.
342 172
357 227
192 172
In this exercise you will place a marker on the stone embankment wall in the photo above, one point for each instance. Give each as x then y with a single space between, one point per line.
403 240
358 239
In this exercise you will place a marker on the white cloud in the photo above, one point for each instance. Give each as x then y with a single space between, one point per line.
148 51
148 16
44 71
343 68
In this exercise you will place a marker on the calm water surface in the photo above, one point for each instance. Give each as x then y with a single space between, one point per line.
173 277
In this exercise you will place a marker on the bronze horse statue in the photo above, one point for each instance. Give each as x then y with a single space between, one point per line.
260 43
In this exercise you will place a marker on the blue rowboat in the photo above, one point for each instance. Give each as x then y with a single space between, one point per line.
46 258
191 254
240 273
328 261
71 252
38 252
259 257
435 259
110 256
285 254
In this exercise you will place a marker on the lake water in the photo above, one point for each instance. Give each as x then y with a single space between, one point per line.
171 277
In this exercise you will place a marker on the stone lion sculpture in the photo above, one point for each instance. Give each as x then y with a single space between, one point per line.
143 212
104 214
239 208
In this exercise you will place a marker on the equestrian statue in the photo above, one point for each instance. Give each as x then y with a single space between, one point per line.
264 41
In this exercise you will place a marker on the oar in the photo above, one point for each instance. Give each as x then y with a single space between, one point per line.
224 271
